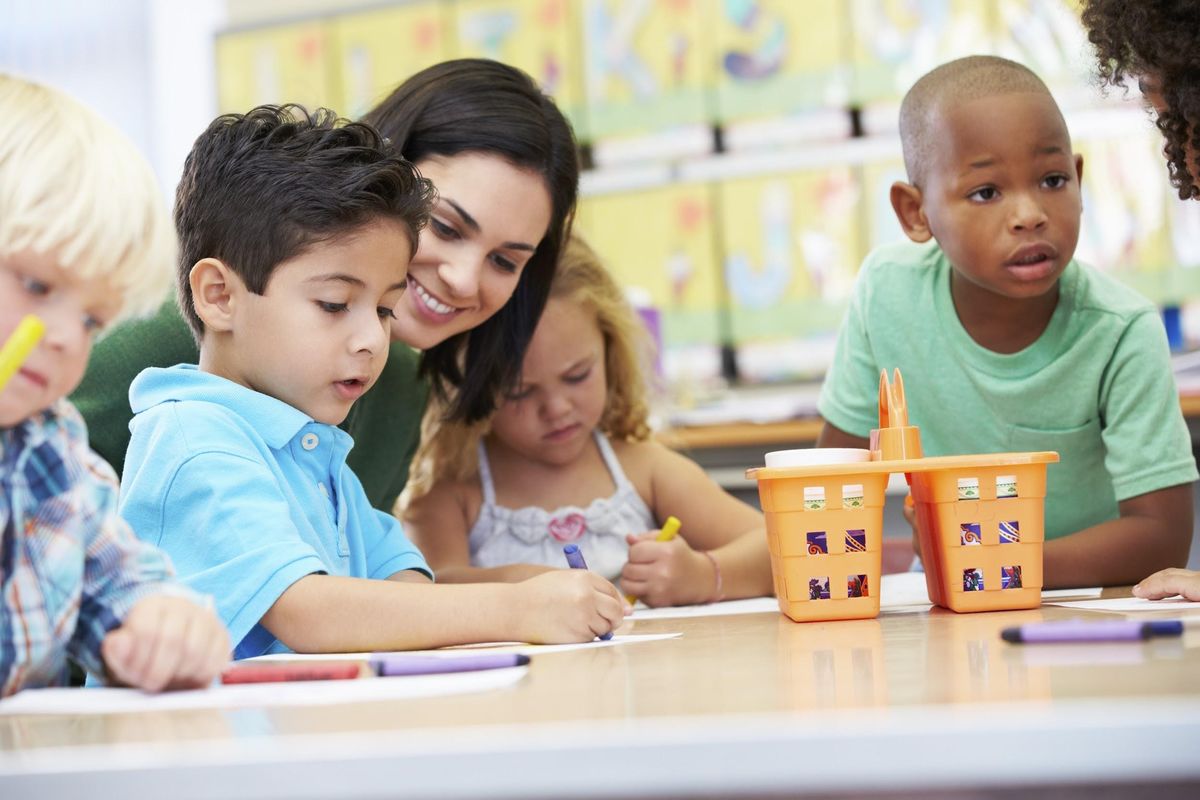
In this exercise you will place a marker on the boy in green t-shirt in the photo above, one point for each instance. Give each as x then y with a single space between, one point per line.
1008 344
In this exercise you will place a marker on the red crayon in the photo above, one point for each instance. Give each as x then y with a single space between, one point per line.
274 673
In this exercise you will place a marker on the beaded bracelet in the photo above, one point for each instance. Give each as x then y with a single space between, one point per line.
719 594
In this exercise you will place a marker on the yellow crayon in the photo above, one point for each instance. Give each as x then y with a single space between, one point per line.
19 346
669 529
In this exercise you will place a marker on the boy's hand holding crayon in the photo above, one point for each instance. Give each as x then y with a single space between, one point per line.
567 605
166 642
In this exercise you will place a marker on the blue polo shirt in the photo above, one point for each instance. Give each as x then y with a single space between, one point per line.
248 495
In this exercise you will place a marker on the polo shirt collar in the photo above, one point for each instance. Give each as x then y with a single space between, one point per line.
276 421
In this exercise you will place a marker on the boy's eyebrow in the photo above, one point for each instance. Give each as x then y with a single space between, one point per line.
1045 150
471 223
343 277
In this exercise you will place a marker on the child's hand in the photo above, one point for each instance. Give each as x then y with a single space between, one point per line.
1168 583
666 573
166 643
568 605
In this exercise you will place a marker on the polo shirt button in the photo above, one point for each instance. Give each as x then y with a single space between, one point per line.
309 441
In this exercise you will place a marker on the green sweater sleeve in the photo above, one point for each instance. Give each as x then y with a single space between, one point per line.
162 340
385 424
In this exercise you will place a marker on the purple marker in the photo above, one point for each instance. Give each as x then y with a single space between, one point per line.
575 561
391 664
1075 630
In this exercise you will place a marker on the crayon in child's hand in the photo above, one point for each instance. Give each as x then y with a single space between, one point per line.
669 529
19 346
575 561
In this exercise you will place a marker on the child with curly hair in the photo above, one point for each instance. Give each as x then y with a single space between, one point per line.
1158 44
568 458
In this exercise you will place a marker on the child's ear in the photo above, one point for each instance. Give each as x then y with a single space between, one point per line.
1079 167
215 291
907 203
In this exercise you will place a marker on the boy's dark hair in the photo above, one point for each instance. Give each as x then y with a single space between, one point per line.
473 105
262 187
1158 40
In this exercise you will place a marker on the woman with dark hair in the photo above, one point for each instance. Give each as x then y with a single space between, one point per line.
1158 44
504 162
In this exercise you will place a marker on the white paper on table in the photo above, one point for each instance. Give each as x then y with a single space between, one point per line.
1075 594
491 647
1131 604
900 589
751 605
103 700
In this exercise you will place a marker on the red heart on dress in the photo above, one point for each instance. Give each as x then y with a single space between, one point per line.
568 528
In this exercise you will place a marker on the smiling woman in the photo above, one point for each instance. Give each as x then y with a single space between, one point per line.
503 160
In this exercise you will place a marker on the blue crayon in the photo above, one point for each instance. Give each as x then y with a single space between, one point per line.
575 561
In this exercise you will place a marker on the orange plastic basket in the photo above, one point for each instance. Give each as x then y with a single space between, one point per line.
980 517
982 527
826 561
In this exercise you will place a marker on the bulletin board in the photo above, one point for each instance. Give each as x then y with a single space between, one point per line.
537 36
373 51
779 58
647 65
279 64
792 247
658 243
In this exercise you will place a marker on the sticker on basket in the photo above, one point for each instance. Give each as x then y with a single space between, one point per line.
814 498
818 588
968 488
973 580
1010 577
969 534
856 541
852 496
816 543
856 586
1010 532
1006 486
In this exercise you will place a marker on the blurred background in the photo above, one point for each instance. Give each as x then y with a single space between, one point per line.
738 152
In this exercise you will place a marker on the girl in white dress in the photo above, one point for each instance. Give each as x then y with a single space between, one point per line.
568 458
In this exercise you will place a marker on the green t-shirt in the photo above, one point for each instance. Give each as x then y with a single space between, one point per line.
385 423
1096 386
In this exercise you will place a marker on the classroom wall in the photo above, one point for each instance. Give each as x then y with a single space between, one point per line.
740 150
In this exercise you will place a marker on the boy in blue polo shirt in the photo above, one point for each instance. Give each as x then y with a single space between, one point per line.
296 234
1006 343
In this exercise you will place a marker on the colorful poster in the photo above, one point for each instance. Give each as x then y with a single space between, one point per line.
283 64
659 244
778 58
897 41
1045 35
792 249
376 50
537 36
1125 217
646 65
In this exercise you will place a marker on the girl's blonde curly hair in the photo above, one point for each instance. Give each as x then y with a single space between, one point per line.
449 450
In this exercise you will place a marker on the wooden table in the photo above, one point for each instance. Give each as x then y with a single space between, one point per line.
749 705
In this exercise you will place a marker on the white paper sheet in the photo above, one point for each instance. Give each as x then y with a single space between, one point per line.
752 605
366 690
491 647
903 589
1072 594
1131 604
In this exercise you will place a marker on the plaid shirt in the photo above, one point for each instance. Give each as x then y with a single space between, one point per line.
70 567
